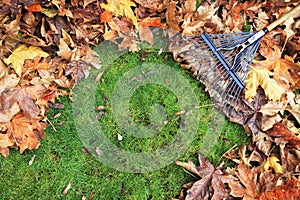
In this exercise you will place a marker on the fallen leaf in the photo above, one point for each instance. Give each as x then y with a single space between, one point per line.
25 97
246 186
272 162
78 69
290 190
8 82
269 121
261 77
281 131
121 8
264 142
26 132
99 152
7 115
106 16
212 182
35 7
20 54
6 140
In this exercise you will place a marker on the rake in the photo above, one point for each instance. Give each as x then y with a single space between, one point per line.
222 61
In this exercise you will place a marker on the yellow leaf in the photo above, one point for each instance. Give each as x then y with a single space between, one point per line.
121 8
272 162
20 54
261 76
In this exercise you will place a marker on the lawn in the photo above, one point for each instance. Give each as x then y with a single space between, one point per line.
62 157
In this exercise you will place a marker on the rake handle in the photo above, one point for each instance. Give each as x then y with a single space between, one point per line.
284 17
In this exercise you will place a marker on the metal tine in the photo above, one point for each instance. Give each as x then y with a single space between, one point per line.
229 41
204 64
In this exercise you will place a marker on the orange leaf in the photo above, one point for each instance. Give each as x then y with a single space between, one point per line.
155 22
289 190
106 16
36 7
27 132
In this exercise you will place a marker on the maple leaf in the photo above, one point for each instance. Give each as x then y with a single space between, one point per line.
20 54
78 69
264 142
25 97
286 73
290 190
8 82
261 77
6 115
212 182
246 186
121 8
281 131
26 132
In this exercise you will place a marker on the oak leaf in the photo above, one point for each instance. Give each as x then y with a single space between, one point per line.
20 54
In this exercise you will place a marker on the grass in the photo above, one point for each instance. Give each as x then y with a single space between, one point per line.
60 159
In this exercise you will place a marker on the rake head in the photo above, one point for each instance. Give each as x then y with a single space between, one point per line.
219 61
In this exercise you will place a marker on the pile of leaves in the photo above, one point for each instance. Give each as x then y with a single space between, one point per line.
45 50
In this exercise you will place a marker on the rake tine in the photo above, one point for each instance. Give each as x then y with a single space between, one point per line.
222 61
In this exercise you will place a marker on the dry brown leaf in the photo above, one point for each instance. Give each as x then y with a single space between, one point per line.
269 121
246 186
67 188
290 190
281 131
20 54
264 142
6 115
173 17
25 97
272 162
8 82
26 132
212 182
